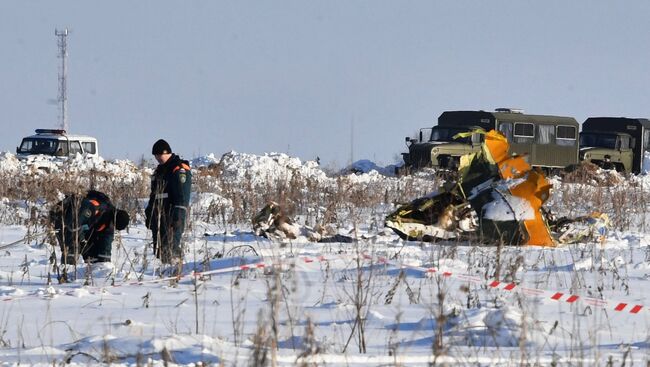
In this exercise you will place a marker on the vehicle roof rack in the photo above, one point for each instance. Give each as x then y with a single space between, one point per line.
509 110
51 131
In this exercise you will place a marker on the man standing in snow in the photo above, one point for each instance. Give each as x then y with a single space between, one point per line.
169 201
86 225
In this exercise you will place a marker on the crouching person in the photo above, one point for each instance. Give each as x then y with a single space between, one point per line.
85 225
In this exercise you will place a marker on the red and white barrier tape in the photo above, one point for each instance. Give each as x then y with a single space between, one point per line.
544 294
617 306
561 297
571 298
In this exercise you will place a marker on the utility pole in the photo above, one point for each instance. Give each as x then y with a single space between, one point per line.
352 140
62 99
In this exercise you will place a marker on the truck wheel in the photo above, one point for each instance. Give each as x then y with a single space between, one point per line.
402 171
443 161
551 171
607 165
454 163
619 167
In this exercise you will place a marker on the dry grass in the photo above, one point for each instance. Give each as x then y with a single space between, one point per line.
342 201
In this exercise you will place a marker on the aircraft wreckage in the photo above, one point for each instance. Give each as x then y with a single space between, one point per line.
271 222
497 199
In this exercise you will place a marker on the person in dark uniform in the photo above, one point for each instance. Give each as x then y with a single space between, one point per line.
169 201
85 225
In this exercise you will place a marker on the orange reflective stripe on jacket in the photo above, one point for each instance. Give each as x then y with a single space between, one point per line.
95 203
183 165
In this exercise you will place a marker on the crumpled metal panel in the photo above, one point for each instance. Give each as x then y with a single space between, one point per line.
489 180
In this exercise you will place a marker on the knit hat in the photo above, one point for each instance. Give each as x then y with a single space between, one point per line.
161 147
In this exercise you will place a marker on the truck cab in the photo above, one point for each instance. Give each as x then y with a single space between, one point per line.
447 150
610 150
436 147
619 143
57 143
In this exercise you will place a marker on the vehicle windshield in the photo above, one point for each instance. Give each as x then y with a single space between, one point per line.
439 133
43 146
598 140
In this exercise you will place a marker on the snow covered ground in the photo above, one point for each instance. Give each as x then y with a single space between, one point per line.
245 300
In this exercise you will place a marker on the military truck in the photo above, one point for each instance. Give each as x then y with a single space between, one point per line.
615 142
547 141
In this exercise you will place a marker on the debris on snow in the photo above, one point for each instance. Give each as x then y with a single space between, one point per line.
505 196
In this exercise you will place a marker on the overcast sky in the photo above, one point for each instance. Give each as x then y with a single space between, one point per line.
340 80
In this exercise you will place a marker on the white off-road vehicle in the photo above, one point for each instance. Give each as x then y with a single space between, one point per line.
57 143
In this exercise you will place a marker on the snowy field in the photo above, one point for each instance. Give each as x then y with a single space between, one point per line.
379 300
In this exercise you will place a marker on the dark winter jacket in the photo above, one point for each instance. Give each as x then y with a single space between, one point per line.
86 222
171 185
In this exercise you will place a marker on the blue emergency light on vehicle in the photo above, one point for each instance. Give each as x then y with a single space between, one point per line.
51 131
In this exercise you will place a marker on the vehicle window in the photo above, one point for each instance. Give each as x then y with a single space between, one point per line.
545 134
566 135
38 146
597 140
506 129
75 147
625 142
524 130
61 148
447 134
523 133
26 145
566 132
646 139
89 147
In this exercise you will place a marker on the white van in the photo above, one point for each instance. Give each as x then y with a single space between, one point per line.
57 143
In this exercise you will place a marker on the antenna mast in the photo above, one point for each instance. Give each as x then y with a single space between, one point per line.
352 140
62 42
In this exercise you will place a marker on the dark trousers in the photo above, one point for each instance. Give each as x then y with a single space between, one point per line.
167 233
96 248
99 246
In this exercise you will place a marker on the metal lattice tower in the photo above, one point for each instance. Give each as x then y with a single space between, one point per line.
62 99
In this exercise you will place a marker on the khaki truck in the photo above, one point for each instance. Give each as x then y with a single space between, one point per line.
436 147
615 142
546 141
